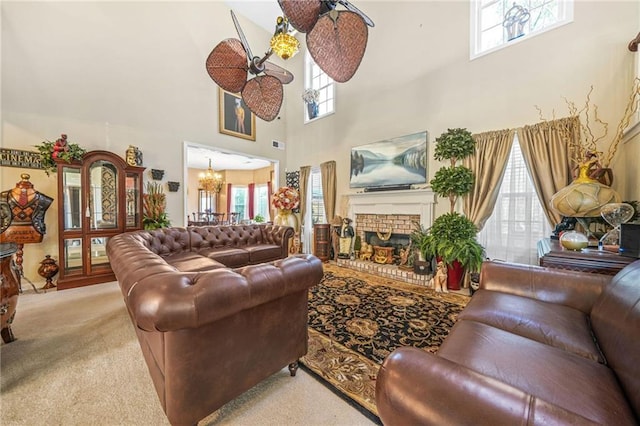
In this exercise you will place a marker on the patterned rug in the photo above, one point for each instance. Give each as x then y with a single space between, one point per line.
357 319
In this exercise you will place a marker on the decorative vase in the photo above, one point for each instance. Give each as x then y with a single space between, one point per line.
286 218
312 110
48 268
583 197
574 240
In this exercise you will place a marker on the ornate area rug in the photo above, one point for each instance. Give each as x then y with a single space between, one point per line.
357 319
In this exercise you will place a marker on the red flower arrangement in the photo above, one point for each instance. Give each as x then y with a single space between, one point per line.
286 198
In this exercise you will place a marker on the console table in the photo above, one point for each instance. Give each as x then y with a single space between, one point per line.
552 255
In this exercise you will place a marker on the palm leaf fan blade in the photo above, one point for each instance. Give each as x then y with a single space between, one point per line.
337 44
227 65
263 95
302 14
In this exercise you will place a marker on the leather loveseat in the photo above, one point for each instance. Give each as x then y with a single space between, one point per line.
534 346
209 332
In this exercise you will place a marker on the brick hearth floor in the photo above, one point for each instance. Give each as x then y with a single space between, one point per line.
393 272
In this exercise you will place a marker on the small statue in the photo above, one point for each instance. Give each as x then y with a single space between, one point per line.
567 224
134 156
60 146
404 255
366 251
439 280
346 239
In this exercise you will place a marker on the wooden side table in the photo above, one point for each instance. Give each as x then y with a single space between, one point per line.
322 241
552 255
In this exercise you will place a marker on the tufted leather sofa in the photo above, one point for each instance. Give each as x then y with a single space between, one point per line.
212 320
534 346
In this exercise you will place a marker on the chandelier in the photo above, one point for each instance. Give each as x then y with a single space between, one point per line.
282 43
210 181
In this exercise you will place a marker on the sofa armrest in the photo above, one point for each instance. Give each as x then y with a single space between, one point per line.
578 290
415 387
174 301
279 236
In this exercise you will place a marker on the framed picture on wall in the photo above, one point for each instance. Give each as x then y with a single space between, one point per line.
235 118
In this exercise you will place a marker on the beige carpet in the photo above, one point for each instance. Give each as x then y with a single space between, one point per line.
76 361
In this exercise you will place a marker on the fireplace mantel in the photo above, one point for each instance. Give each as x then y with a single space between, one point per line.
407 202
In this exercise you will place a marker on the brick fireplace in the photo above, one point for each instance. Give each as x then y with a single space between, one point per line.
390 211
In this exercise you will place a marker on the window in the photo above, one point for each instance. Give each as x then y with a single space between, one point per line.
487 17
317 202
315 78
240 201
518 221
261 201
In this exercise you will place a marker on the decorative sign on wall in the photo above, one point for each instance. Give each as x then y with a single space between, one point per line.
19 158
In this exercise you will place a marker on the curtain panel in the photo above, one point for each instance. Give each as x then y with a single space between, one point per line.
546 148
305 171
328 177
488 165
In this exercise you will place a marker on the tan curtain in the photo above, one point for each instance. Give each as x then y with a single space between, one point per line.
488 165
328 176
547 153
304 183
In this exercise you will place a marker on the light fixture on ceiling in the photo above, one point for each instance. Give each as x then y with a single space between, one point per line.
284 44
336 41
210 181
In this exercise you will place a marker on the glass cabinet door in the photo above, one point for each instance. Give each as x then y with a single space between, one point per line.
72 192
73 255
132 183
102 208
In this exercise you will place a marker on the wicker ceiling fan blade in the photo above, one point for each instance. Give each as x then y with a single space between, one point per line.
352 8
302 14
278 72
227 65
263 95
337 43
243 39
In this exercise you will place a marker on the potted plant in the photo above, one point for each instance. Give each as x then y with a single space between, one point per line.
61 149
452 237
154 204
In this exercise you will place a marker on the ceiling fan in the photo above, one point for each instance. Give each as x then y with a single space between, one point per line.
336 39
229 65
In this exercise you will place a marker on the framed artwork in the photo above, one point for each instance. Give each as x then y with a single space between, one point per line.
235 118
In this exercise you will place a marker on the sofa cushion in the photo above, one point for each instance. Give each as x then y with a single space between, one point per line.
549 323
572 382
192 262
231 257
263 253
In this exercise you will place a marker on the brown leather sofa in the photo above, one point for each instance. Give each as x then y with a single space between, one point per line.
209 332
534 346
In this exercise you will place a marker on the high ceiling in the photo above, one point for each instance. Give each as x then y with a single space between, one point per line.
263 14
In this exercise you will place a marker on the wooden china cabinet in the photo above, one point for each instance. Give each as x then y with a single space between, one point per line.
98 197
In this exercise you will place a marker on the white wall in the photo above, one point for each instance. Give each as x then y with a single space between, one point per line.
111 74
416 75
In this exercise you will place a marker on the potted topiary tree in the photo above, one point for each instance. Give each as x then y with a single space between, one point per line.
452 237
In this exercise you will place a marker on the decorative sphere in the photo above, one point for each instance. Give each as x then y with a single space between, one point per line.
573 240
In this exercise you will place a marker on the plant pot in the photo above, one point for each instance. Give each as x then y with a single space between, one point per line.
312 110
455 275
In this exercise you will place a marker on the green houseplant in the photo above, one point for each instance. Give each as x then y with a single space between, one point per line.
61 149
154 204
452 237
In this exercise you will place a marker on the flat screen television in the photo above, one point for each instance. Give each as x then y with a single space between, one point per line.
390 163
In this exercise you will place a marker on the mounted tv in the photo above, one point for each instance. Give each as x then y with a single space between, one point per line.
390 164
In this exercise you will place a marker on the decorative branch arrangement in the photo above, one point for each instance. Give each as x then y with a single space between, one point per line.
594 132
154 204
